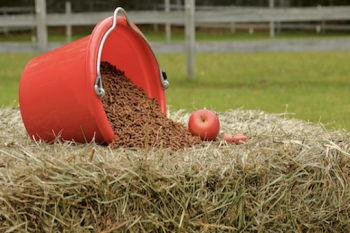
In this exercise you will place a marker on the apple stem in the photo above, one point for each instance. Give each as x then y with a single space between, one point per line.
202 118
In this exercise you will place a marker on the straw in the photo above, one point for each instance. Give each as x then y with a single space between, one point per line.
290 176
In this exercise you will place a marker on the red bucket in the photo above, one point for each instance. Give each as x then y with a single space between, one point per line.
60 91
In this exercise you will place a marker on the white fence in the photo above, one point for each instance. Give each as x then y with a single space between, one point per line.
190 18
11 10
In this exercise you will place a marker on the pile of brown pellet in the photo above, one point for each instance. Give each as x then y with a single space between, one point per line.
136 119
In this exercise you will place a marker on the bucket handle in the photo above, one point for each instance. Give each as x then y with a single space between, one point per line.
98 82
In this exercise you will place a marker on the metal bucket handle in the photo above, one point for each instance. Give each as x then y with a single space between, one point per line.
98 82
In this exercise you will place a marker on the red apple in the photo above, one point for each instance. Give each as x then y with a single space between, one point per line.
239 138
204 123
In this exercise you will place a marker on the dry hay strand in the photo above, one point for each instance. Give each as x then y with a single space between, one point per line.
290 176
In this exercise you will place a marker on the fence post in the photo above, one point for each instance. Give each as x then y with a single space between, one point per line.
272 24
190 36
178 5
233 27
6 31
155 25
167 25
41 29
278 24
68 26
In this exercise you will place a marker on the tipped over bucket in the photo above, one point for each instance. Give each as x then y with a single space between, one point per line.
60 91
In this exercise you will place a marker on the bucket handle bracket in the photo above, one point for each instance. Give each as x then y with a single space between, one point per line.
98 82
99 87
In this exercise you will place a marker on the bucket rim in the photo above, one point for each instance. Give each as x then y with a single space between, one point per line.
96 106
98 82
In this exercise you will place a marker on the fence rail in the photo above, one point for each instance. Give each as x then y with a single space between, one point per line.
299 45
190 18
230 14
292 26
6 10
15 10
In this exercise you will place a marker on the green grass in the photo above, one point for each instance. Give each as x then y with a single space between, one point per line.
312 84
11 67
55 34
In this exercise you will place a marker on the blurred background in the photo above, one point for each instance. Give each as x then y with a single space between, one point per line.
270 55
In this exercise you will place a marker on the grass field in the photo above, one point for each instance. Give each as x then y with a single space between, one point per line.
314 85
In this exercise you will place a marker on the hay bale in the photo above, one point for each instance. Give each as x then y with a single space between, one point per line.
290 175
